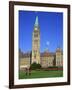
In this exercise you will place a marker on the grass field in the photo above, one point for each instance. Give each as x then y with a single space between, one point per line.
41 74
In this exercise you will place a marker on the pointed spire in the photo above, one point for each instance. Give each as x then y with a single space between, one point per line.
36 21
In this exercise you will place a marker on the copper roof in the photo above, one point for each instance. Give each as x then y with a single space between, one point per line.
46 54
26 55
58 50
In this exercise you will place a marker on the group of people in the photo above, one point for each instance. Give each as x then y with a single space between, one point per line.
28 71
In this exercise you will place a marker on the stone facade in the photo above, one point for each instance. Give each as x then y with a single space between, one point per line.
25 60
59 57
47 59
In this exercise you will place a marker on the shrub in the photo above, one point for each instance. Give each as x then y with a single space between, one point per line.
35 66
53 67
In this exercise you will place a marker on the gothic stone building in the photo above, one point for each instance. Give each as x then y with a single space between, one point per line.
46 59
36 43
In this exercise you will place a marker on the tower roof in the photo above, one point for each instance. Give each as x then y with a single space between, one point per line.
58 50
36 21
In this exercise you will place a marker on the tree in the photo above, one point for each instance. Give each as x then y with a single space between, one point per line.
35 66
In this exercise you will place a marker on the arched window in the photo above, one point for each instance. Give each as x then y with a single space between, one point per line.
35 56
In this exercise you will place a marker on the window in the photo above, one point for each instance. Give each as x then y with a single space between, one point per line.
36 32
36 35
35 56
36 41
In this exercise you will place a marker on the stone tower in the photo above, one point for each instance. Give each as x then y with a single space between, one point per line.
36 43
59 57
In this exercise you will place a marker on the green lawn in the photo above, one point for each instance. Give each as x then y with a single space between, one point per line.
41 74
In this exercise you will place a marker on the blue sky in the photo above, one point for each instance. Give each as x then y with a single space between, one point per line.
51 30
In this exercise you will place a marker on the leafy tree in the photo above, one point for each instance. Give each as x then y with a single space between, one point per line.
35 66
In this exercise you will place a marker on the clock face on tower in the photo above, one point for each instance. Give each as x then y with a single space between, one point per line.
35 28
